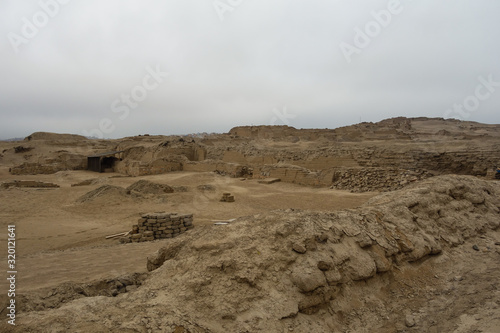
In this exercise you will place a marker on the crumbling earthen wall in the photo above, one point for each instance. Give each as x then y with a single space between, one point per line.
35 169
375 179
64 161
289 174
327 162
157 167
230 169
28 183
474 163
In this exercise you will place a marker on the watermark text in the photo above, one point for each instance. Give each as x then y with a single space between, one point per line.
372 29
471 103
129 101
223 7
31 27
11 274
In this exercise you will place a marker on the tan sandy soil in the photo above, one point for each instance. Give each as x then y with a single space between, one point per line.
60 240
422 259
398 262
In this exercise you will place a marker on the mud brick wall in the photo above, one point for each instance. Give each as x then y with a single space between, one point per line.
153 226
375 179
27 183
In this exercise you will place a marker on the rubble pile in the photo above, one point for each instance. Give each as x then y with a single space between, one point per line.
375 179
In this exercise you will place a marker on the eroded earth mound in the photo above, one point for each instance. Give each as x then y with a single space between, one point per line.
104 192
147 187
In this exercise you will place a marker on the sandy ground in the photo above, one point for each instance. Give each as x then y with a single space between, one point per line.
60 240
391 266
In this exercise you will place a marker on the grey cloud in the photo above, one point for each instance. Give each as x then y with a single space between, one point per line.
264 55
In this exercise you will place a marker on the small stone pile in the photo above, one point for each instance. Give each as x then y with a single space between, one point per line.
153 226
227 197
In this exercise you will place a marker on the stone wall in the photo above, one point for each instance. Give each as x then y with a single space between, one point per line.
35 169
327 162
472 162
153 226
231 169
375 179
27 183
65 161
292 174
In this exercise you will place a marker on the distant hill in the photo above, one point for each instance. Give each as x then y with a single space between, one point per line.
13 139
53 136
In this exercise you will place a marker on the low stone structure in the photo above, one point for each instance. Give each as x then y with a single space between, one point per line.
153 226
34 169
227 197
27 183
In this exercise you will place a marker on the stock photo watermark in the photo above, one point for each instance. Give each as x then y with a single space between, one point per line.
11 274
471 103
283 116
223 7
129 101
31 27
371 30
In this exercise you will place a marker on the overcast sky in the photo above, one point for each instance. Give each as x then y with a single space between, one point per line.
119 68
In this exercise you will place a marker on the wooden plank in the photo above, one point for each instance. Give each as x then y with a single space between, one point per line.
269 181
227 221
117 235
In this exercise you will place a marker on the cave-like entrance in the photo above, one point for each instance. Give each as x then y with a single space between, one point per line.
104 162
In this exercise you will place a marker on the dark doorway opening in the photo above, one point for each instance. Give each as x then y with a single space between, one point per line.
107 164
104 162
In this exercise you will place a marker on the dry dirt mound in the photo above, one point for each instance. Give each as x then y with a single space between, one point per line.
147 187
372 269
206 188
92 181
105 192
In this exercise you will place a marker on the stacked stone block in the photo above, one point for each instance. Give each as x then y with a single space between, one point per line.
153 226
227 197
375 179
